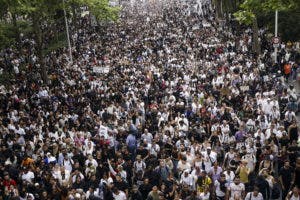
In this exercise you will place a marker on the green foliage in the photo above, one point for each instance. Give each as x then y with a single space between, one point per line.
55 44
288 23
245 17
7 35
6 78
25 27
251 9
102 11
38 12
248 11
280 5
99 8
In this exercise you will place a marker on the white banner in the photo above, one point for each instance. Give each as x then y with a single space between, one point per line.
101 70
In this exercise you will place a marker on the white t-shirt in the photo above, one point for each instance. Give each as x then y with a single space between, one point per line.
229 176
187 180
219 192
293 197
29 176
250 196
20 131
103 131
120 196
204 196
251 159
236 190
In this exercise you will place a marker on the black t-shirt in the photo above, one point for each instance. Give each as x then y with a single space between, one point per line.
121 185
145 189
137 196
284 141
143 152
293 153
297 177
286 175
294 133
185 193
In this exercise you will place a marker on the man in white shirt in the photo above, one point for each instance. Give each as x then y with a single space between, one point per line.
186 178
19 130
255 195
236 190
267 106
64 176
67 163
209 158
103 131
183 165
92 161
221 186
270 131
118 194
182 128
225 127
27 176
147 136
251 160
92 192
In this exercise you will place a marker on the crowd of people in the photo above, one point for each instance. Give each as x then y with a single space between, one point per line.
184 110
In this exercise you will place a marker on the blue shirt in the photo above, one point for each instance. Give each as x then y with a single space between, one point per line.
131 141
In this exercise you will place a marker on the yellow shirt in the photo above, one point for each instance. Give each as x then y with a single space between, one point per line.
244 174
204 183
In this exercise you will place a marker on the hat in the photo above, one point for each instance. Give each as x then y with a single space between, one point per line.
208 148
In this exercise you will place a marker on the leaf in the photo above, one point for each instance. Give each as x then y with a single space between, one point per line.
250 9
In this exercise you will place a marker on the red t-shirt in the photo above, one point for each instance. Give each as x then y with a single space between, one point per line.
8 183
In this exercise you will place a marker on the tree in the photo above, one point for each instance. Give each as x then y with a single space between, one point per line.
225 7
39 12
250 10
42 15
288 29
6 31
102 11
11 8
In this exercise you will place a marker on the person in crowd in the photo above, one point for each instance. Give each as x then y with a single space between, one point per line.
255 195
168 102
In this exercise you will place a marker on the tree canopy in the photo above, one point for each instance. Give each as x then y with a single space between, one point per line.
262 11
38 13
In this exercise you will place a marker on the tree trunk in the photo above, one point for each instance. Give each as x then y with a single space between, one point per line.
256 45
225 9
218 8
39 47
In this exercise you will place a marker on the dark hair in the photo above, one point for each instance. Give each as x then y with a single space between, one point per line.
256 188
